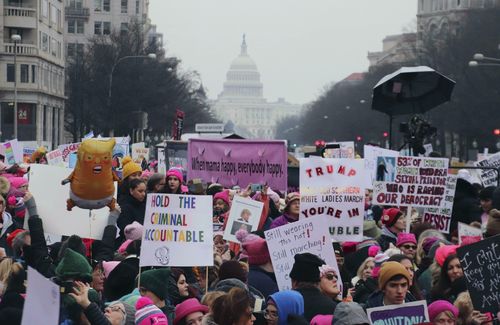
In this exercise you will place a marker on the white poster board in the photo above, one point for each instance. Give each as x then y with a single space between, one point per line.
303 236
51 196
55 158
440 217
411 181
162 164
489 177
244 214
465 230
139 152
68 149
334 188
42 300
177 231
371 154
346 150
13 152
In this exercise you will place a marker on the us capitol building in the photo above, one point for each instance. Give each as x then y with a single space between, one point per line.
241 101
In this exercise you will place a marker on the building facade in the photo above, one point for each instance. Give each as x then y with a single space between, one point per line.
396 49
241 100
32 35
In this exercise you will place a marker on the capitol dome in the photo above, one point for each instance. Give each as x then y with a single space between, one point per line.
243 77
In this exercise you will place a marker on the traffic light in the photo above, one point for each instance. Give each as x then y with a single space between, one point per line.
359 138
385 134
320 144
496 132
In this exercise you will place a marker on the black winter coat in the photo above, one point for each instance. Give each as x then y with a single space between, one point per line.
132 210
263 281
316 303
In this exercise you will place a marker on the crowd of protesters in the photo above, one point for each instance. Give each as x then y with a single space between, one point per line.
104 284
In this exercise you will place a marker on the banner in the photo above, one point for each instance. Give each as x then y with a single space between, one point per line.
55 158
238 162
68 149
488 176
409 313
177 231
346 150
410 181
466 231
440 218
303 236
51 196
244 214
371 154
139 152
334 188
42 300
481 265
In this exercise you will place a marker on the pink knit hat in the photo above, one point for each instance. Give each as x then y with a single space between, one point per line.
404 237
109 266
224 196
123 247
146 174
257 251
438 306
187 307
322 320
148 314
17 182
443 252
134 231
176 173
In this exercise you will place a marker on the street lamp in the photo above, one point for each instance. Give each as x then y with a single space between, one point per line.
478 58
16 39
151 56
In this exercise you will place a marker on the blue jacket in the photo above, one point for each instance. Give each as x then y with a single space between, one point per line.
263 281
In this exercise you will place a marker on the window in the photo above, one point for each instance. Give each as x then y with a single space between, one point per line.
97 5
76 4
123 28
98 28
33 73
137 6
106 28
71 49
53 47
45 8
71 26
25 68
75 26
53 15
124 7
11 73
45 42
46 77
102 5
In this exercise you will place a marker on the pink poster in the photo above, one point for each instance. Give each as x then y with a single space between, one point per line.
238 162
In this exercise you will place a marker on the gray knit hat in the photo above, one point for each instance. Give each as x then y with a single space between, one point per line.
129 312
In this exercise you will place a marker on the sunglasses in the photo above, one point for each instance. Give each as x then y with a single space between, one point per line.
331 276
410 247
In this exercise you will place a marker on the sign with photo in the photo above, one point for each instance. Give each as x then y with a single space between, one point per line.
244 214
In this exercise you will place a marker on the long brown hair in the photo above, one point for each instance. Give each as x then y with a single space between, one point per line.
228 309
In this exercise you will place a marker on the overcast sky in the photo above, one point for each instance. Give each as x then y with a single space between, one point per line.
299 45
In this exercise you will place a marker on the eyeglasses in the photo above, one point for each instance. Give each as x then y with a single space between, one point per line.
117 308
270 314
331 276
409 247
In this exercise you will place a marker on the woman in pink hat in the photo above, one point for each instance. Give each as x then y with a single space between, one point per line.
190 312
174 182
442 312
450 278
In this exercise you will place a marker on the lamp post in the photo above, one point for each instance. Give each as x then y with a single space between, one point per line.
16 39
151 56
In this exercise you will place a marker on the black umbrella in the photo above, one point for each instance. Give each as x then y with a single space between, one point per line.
411 90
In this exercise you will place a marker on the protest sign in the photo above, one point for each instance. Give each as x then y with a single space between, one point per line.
55 158
481 266
68 149
244 214
466 231
410 181
51 196
408 313
334 188
345 150
488 176
177 231
371 154
139 152
303 236
162 167
238 162
440 217
13 152
27 152
42 300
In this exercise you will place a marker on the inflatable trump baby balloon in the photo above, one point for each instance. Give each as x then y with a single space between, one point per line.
92 179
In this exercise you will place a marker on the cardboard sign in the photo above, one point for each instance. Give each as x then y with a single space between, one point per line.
334 188
244 214
162 166
303 236
371 154
27 152
409 313
346 150
465 231
13 152
51 196
481 265
55 158
489 177
177 231
68 149
410 181
238 162
139 152
440 218
42 300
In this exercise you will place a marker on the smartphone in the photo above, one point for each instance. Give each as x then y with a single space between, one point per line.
256 187
66 287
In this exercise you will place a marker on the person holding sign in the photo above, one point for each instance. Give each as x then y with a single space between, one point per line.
394 222
393 283
133 205
291 212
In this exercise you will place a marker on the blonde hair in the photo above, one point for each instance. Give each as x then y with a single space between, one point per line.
426 234
209 298
362 267
7 267
465 308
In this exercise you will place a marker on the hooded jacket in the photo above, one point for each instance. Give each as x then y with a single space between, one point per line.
288 302
132 210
